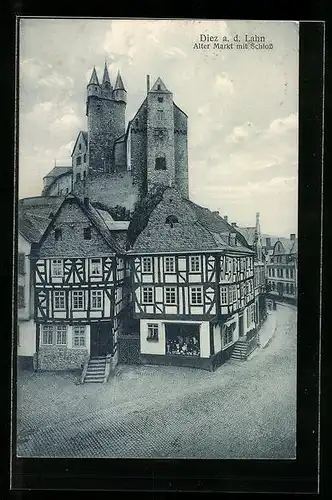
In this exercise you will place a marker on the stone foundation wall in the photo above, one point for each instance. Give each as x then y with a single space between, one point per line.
61 358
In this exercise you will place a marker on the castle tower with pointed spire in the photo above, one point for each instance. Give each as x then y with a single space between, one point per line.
105 111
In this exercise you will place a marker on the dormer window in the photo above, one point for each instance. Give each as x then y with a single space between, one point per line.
87 233
58 234
171 220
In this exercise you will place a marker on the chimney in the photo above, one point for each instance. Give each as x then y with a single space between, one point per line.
292 236
86 201
226 218
268 242
147 83
216 212
234 224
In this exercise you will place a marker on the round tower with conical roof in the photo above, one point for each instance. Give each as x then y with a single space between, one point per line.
105 111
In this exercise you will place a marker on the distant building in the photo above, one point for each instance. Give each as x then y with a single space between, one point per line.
282 269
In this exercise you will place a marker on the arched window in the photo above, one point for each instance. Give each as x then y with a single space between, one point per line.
160 163
79 160
171 220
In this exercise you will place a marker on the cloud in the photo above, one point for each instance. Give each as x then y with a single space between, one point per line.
240 133
283 125
224 85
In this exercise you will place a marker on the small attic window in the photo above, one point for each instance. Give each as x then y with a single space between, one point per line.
87 233
160 99
58 234
158 86
171 220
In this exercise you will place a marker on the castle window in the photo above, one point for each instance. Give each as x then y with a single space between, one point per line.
84 158
87 233
80 147
78 160
160 163
160 99
78 177
84 174
136 122
160 115
58 234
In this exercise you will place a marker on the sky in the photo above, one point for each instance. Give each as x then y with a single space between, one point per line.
242 104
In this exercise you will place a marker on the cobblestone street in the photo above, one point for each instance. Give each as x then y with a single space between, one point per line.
243 410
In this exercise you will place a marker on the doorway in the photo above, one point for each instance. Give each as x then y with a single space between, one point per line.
241 331
101 339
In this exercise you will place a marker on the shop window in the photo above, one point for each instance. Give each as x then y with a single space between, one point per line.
160 163
87 233
170 295
147 295
78 336
153 332
59 300
169 264
21 298
57 268
182 341
147 264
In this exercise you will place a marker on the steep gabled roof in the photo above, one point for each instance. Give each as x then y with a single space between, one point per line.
159 86
85 139
197 229
119 83
34 215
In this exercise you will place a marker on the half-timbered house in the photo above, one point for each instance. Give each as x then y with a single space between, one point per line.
79 278
192 280
282 269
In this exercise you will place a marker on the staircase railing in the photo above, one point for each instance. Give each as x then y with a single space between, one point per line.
107 367
85 369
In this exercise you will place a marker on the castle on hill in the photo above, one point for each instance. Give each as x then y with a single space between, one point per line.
119 165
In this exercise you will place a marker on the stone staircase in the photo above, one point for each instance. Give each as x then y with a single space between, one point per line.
95 370
240 350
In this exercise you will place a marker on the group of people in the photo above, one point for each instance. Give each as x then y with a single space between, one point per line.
188 346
